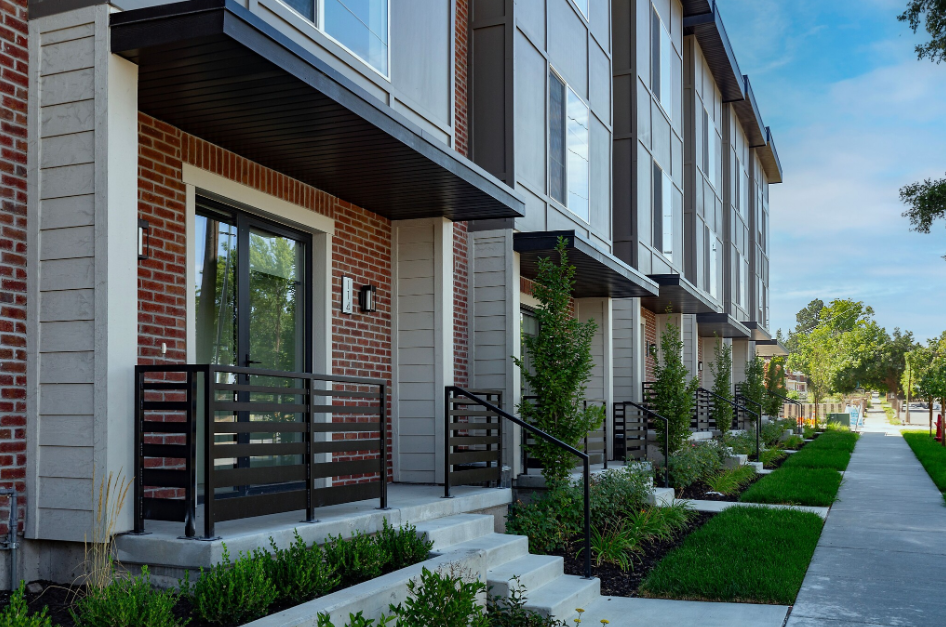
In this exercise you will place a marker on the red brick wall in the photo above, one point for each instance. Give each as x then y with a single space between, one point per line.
461 260
650 335
699 357
13 147
361 249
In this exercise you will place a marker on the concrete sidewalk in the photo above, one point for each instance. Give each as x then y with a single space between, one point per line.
881 560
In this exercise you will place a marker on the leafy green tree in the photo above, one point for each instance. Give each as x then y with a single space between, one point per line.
806 320
890 363
673 392
561 363
775 386
926 203
753 388
932 15
722 385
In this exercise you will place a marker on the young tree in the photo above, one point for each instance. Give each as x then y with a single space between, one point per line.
754 386
560 356
722 385
775 386
673 390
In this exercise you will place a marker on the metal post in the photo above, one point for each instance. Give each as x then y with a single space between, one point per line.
384 446
446 441
208 453
190 491
139 454
309 419
587 464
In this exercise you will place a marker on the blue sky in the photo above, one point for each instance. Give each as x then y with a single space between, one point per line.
855 117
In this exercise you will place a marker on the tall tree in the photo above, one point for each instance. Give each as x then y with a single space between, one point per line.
721 369
775 386
926 200
806 320
673 391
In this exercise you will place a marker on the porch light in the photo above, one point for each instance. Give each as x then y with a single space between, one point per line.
699 366
144 239
367 298
652 349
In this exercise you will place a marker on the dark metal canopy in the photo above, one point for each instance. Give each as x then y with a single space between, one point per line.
747 111
759 334
720 324
769 157
711 34
598 275
215 70
679 295
770 348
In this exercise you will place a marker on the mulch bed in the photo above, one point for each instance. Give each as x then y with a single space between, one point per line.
616 583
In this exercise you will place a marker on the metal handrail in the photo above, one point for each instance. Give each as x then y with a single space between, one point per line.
758 424
654 414
584 457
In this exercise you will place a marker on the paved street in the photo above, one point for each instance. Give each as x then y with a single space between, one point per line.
881 560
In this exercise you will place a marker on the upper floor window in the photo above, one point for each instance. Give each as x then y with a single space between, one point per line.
582 6
359 25
712 149
711 252
663 213
569 139
661 59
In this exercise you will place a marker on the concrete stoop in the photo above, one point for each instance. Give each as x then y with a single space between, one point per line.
463 543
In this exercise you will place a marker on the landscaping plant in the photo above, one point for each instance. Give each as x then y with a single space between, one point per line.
695 461
729 482
447 599
357 559
775 387
753 388
300 573
613 546
17 612
234 592
673 390
744 554
127 602
561 363
355 620
721 369
769 456
403 546
511 611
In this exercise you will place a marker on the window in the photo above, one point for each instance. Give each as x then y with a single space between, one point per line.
528 327
661 77
737 284
569 138
359 25
663 213
710 262
711 150
744 192
745 283
582 6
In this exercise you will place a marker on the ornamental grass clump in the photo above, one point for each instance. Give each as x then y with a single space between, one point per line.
127 602
560 364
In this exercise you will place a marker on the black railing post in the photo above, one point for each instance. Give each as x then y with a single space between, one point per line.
139 452
587 465
209 402
307 386
448 391
190 492
384 446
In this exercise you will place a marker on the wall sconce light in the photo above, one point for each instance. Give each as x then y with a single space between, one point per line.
652 349
144 239
699 366
367 298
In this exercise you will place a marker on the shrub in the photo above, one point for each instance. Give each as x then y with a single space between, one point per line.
300 573
355 620
722 386
614 492
355 560
560 366
403 546
769 456
673 391
127 603
794 443
741 443
548 521
17 613
774 386
511 611
614 546
448 599
694 462
233 593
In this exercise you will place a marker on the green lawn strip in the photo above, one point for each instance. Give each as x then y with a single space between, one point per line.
842 440
837 459
932 456
745 554
795 486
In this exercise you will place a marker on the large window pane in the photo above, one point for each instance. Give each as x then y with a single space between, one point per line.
556 138
362 27
215 286
666 71
305 7
655 29
578 171
663 213
582 6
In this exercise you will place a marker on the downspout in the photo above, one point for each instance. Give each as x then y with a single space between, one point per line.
11 542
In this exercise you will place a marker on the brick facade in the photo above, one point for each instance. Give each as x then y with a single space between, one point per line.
361 249
650 337
14 58
461 247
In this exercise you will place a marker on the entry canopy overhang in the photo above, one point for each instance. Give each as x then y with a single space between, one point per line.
598 274
770 348
720 325
679 296
216 71
759 334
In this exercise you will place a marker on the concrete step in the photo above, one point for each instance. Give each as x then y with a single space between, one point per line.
662 497
496 548
450 530
533 571
563 596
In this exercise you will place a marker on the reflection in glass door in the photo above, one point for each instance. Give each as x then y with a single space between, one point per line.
252 302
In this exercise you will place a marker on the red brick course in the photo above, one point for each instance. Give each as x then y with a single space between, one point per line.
14 58
650 337
461 252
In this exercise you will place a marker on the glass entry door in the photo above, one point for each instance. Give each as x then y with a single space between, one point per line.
252 296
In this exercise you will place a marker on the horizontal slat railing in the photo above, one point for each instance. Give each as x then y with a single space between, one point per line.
473 440
275 442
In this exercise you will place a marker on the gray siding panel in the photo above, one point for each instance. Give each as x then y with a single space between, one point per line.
530 104
421 55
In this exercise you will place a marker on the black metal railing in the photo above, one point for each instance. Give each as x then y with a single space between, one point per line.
596 442
743 400
641 423
451 392
267 439
704 411
715 399
474 439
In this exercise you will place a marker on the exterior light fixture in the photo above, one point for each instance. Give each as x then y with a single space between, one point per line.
144 239
652 349
699 366
368 298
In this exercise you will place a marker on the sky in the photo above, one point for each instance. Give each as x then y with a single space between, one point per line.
855 117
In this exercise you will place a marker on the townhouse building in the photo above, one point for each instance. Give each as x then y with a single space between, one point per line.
203 196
